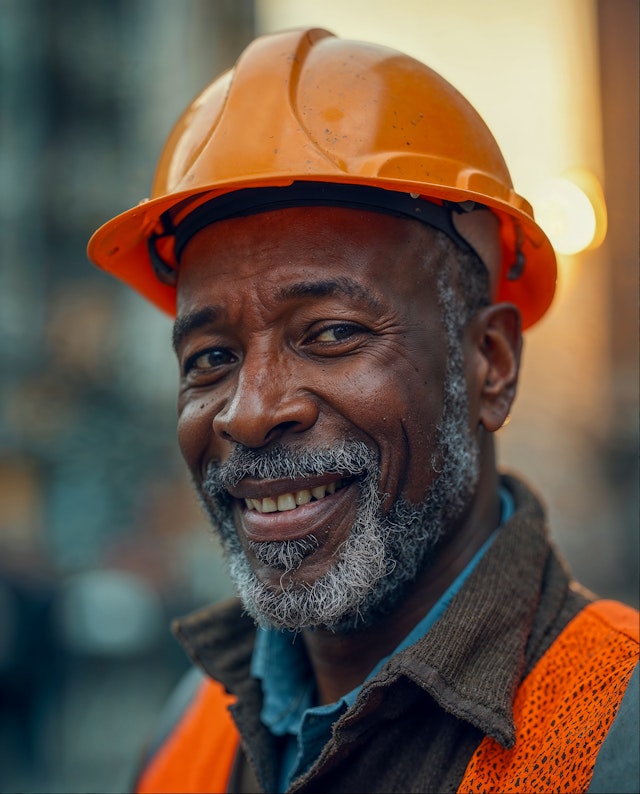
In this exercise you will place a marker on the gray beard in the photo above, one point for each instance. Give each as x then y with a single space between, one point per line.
383 555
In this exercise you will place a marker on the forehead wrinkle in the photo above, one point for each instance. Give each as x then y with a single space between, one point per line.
192 321
341 285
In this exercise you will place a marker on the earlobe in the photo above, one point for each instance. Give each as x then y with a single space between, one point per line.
500 345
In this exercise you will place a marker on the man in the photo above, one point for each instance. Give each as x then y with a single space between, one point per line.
350 268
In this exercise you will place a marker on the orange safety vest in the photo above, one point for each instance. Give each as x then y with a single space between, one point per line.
563 711
198 755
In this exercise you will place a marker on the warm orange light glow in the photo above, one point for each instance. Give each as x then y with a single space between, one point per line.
572 211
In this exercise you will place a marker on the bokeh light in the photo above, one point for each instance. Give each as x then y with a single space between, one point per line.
572 211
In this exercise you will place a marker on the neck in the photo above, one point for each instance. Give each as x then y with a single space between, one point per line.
341 662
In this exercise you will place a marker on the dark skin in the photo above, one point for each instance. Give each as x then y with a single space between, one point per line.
307 326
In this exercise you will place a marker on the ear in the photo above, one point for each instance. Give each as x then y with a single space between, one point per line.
496 337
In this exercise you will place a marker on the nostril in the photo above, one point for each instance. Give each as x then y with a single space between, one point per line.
280 429
255 417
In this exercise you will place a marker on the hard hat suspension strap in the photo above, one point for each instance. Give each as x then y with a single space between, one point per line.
316 194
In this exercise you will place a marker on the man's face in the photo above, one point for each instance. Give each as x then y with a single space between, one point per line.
315 370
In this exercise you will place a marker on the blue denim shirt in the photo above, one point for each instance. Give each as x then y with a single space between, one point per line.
280 662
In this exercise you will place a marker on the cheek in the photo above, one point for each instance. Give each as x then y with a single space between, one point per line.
195 434
420 387
398 407
421 427
475 375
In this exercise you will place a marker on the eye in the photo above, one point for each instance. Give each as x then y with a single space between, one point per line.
334 338
209 360
339 332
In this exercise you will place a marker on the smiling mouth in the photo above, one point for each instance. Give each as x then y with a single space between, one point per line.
293 499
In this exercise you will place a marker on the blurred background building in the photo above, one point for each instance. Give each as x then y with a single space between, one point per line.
101 539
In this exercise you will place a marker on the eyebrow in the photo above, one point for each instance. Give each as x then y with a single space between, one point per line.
342 285
193 321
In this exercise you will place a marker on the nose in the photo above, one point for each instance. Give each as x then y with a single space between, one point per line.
266 404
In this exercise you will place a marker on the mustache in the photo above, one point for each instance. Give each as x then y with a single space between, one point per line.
346 459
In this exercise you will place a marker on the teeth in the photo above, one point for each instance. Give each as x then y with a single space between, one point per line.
286 502
303 497
269 505
289 501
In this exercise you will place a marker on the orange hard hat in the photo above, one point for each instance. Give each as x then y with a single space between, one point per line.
302 114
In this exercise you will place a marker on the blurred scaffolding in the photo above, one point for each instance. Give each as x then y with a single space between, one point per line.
101 539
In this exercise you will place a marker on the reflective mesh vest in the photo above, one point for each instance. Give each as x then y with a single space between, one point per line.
563 711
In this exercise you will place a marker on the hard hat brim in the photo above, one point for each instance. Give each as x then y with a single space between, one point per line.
120 246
